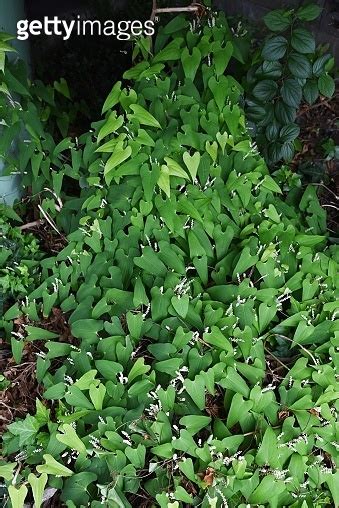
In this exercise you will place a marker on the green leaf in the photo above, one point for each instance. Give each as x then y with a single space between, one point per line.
139 368
113 97
265 90
17 495
299 65
182 495
86 328
7 471
150 262
17 347
62 87
191 62
171 52
25 429
287 151
268 490
270 184
196 390
192 163
85 381
34 333
274 48
246 261
38 485
308 12
112 124
216 338
326 85
186 467
289 132
222 57
70 438
291 92
170 366
119 155
136 455
194 423
266 315
164 181
76 488
52 467
180 304
97 395
302 41
268 450
55 392
75 397
144 117
175 169
332 480
310 91
319 65
277 20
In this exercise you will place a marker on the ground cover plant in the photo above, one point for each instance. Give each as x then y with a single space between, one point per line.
197 364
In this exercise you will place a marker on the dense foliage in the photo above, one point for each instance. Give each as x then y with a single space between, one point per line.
19 259
288 70
200 364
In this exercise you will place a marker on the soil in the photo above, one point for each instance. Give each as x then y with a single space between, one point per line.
319 123
18 399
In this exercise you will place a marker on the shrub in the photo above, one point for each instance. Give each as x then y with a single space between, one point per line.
288 70
200 368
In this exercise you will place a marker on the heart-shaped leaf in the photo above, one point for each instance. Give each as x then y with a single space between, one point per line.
180 304
192 163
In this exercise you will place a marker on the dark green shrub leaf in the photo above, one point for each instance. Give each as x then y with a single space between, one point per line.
277 20
272 131
274 48
291 92
299 65
287 151
271 69
284 113
265 90
308 12
326 85
311 91
256 112
274 152
319 64
289 132
302 41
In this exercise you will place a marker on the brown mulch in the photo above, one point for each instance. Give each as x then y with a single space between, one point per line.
318 123
18 399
